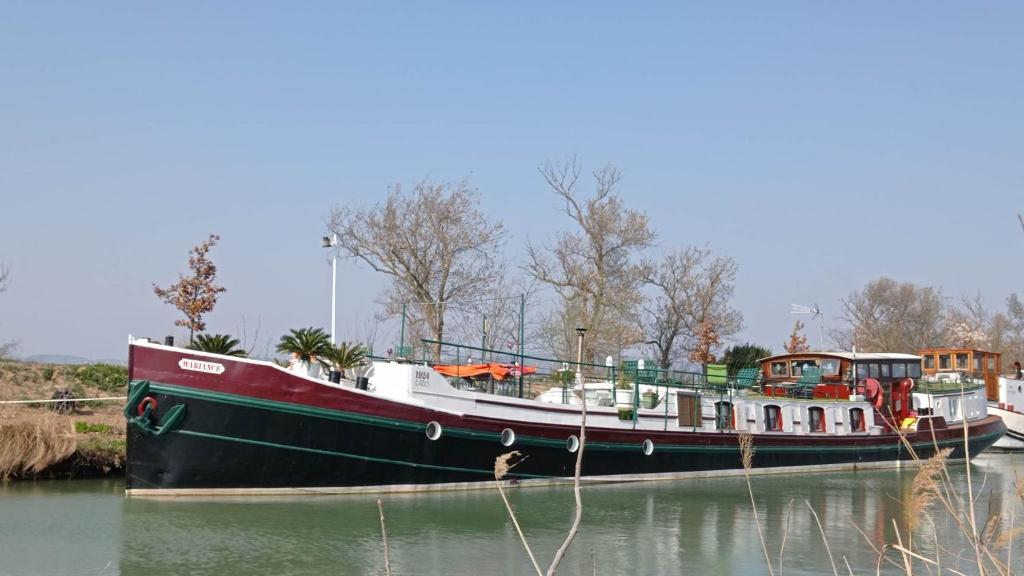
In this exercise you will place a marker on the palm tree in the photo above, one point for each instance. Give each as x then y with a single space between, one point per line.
308 345
218 344
347 355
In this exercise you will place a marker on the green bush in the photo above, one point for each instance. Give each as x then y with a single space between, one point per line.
48 373
106 377
90 428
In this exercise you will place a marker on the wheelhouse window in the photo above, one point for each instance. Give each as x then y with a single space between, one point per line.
899 370
914 370
929 362
885 366
829 366
856 419
961 361
874 371
723 415
816 417
862 371
772 419
944 362
991 363
977 364
797 366
779 369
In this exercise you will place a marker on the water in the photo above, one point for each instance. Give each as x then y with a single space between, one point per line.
687 527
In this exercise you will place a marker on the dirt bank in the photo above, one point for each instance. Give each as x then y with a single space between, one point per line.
37 442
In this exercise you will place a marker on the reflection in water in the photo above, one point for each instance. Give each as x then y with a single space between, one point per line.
691 527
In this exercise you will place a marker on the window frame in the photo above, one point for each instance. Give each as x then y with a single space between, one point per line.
777 410
820 425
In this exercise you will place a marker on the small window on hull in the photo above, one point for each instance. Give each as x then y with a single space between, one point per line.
816 419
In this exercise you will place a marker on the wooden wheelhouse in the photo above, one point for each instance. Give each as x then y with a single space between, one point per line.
978 364
841 375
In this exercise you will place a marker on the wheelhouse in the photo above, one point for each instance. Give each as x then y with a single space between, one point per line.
978 364
883 379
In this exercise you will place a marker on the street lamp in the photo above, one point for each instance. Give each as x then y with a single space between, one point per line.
580 332
332 242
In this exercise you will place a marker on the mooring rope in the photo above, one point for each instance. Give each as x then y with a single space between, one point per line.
47 401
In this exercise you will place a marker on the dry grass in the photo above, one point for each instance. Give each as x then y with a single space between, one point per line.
31 441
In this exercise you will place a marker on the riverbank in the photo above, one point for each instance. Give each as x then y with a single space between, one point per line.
74 439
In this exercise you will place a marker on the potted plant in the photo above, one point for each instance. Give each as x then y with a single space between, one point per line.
346 356
308 347
218 344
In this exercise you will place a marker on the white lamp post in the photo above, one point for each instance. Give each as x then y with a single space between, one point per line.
332 242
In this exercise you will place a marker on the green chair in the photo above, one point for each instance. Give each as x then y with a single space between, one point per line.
717 374
809 378
747 377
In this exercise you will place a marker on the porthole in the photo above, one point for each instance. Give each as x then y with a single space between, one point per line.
572 444
648 447
434 430
508 437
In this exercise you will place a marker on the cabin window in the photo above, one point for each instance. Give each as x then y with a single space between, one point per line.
829 366
772 419
899 370
914 370
977 364
862 371
723 415
885 370
961 361
944 363
874 371
797 366
929 362
779 369
816 417
856 419
991 363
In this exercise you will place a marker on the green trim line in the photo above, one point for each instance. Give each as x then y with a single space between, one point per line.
353 456
379 421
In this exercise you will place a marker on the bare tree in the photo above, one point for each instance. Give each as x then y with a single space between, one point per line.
195 295
5 277
435 244
890 316
494 318
692 288
593 268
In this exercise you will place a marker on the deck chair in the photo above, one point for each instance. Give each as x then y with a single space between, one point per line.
810 378
747 377
717 374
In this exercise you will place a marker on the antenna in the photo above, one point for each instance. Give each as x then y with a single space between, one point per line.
1021 218
815 312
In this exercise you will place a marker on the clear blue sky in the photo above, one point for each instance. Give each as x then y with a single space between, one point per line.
820 146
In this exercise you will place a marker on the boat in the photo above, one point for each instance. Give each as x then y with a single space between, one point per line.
204 424
1004 392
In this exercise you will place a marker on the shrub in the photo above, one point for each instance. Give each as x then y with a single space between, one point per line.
91 428
106 377
48 373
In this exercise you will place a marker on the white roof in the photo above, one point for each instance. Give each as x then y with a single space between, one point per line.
851 356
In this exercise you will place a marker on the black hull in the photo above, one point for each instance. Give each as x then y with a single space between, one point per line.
226 445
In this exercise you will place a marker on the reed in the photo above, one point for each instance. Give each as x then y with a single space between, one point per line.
32 441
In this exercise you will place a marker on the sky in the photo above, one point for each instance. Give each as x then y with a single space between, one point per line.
819 145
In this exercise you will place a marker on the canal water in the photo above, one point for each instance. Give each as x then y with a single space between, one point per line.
682 527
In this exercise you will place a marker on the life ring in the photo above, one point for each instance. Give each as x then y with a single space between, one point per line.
147 401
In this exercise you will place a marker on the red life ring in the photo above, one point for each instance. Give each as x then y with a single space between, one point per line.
147 401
